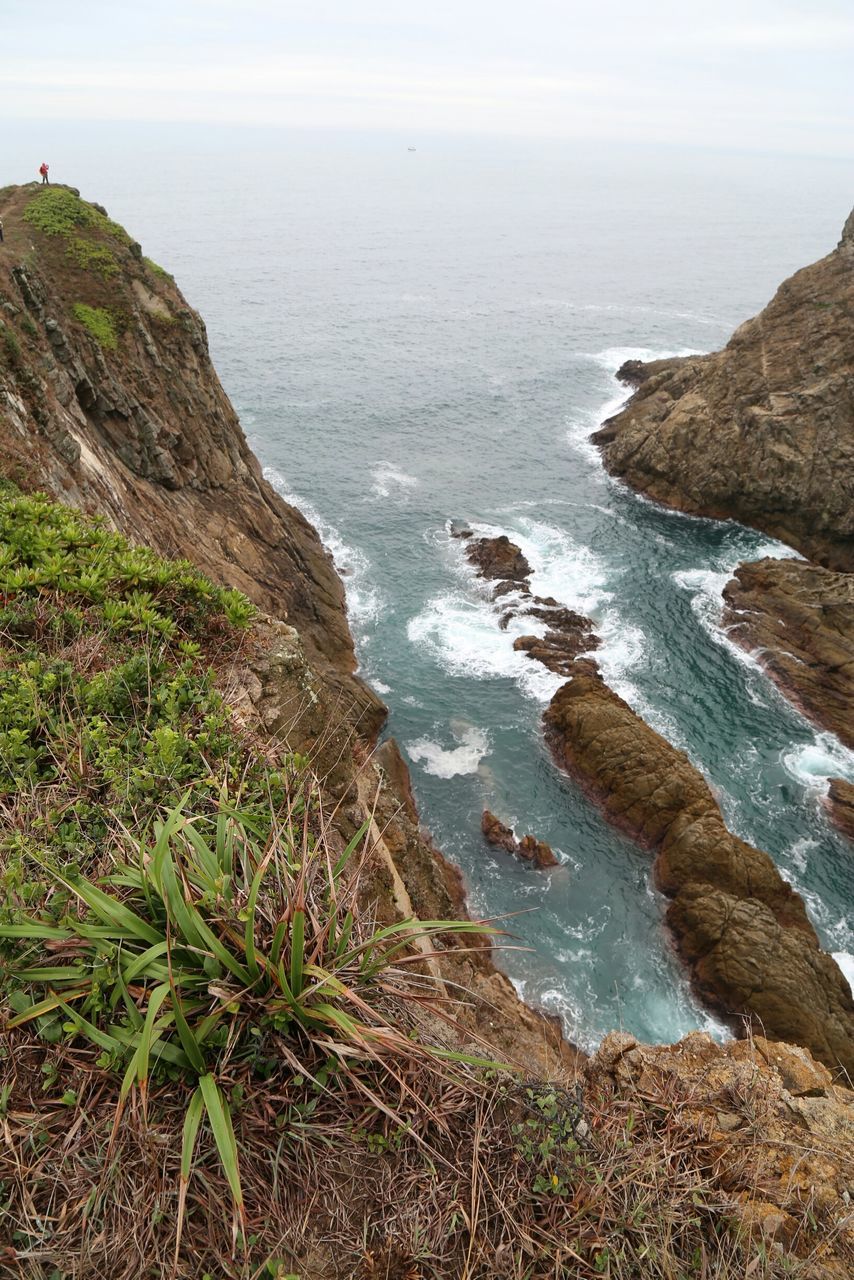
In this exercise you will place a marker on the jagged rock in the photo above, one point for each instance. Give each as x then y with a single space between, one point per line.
763 431
529 848
499 558
840 802
740 926
537 851
800 620
460 529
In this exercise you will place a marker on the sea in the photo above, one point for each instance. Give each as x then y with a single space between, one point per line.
416 330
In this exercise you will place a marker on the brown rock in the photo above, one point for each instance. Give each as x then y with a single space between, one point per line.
497 833
537 851
840 802
529 848
763 431
800 620
737 922
499 558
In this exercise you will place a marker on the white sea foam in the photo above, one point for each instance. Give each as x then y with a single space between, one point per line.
381 687
364 600
814 763
462 633
443 762
391 481
846 963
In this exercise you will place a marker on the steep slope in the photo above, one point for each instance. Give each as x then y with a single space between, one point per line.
109 400
763 431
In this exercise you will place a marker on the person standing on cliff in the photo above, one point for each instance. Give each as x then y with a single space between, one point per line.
43 168
1 230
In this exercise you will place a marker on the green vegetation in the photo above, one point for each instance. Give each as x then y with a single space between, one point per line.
99 322
59 212
158 270
11 348
93 257
218 1058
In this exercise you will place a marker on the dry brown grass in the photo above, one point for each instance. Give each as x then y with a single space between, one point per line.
335 1190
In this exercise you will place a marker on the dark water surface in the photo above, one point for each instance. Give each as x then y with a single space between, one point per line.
414 337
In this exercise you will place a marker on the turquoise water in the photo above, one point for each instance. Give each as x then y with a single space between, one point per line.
416 337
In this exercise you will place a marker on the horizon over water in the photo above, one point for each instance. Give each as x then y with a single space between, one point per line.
411 338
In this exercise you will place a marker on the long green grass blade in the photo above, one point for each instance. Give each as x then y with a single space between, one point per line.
223 1133
143 964
297 951
351 848
44 1006
188 1040
143 1053
101 1038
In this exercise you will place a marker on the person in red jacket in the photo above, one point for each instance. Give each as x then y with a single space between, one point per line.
43 168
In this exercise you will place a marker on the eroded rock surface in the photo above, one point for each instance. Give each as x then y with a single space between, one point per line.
763 431
799 619
529 848
840 803
737 922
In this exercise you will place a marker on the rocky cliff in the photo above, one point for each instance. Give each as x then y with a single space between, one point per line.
109 401
763 431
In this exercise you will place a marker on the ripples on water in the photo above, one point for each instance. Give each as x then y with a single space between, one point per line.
415 338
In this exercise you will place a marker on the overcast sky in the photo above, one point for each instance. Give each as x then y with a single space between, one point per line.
758 74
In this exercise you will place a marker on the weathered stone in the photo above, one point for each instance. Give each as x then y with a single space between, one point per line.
498 558
737 922
763 431
840 802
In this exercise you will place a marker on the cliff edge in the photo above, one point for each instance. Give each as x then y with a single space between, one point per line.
109 401
763 431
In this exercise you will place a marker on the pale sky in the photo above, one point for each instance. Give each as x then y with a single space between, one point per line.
770 75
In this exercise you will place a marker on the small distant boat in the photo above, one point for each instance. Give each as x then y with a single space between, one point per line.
410 148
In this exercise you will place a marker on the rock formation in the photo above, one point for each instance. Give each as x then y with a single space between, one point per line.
737 922
529 848
763 431
749 1106
569 633
800 618
840 803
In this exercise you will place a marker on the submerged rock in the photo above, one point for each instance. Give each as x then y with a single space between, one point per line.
741 927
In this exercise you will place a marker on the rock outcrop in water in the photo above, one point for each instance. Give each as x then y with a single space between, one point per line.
568 635
800 618
737 922
763 431
529 848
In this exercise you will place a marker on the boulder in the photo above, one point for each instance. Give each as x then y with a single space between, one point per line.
499 558
529 848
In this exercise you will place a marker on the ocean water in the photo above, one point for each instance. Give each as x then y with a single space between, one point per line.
415 337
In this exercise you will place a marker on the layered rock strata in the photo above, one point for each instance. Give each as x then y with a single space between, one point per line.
130 420
763 431
741 928
799 619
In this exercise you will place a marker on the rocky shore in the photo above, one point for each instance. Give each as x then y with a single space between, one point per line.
738 924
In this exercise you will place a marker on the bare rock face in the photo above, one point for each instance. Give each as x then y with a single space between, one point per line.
529 848
763 431
800 619
737 922
135 425
498 558
840 802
